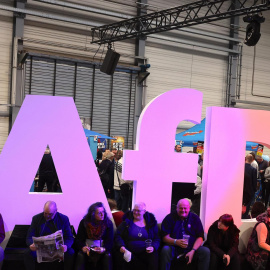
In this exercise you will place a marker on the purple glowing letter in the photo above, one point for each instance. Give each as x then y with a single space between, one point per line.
154 164
227 131
54 121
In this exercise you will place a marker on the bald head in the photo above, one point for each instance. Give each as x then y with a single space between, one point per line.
183 208
49 210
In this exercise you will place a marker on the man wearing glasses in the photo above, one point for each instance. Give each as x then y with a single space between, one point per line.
46 223
183 234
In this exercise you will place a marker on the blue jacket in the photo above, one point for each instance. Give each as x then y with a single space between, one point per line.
151 227
41 227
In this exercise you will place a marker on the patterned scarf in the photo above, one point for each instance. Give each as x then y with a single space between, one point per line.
95 232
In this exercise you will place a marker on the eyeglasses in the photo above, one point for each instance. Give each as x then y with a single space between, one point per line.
137 211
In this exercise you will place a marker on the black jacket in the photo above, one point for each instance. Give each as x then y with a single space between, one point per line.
151 227
221 242
107 236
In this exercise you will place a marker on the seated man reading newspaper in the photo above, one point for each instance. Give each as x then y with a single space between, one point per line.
50 238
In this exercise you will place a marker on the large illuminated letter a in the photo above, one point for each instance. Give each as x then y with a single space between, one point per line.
154 164
54 121
227 130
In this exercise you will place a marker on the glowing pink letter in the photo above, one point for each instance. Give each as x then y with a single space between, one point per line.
227 131
55 121
154 164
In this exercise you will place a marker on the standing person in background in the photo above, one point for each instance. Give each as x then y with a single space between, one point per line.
251 174
106 173
2 237
177 148
267 185
99 158
254 163
47 172
263 164
122 197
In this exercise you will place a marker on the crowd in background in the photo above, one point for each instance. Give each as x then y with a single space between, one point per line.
109 165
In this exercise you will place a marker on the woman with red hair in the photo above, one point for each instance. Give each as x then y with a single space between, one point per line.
223 240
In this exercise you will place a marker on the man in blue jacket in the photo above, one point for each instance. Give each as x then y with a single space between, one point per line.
175 229
46 223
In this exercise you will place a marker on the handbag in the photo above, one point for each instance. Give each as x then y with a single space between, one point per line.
256 256
125 187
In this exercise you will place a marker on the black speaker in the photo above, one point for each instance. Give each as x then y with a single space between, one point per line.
110 61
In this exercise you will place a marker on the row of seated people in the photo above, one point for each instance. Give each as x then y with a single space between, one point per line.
137 241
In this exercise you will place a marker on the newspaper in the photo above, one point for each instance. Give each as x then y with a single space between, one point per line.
49 247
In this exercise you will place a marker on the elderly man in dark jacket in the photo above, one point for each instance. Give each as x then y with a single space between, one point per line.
46 223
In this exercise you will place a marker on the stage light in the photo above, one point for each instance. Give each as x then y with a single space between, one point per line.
253 29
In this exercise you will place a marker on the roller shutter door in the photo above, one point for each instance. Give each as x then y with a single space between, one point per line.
108 101
6 28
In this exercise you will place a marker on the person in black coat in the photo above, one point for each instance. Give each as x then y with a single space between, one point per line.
95 239
106 173
138 234
223 240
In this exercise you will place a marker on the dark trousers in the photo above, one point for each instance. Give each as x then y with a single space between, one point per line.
201 258
267 189
263 189
47 178
216 263
142 261
123 202
104 262
30 260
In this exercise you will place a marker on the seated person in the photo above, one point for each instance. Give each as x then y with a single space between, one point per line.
258 249
117 214
223 240
45 223
138 226
2 237
174 226
95 239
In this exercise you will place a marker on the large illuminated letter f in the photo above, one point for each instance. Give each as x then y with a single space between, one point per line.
154 163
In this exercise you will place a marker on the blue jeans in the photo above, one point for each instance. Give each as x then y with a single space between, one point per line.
201 257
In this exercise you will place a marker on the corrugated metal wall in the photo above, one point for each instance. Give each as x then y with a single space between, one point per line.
73 40
6 26
261 84
178 65
107 101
